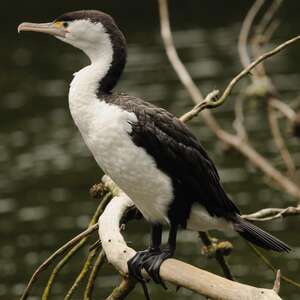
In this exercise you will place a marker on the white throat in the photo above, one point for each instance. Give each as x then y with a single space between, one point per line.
86 82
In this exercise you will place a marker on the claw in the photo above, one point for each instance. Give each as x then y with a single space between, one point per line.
153 262
150 260
135 265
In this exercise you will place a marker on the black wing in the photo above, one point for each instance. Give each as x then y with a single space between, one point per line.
179 154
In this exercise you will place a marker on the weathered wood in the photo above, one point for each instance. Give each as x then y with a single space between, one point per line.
172 270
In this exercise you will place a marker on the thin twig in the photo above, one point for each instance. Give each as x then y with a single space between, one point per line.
271 30
239 120
266 261
123 290
242 146
268 214
285 109
58 252
91 281
195 111
263 32
168 41
266 21
105 199
279 141
245 31
276 286
244 55
211 102
60 265
243 73
85 269
257 42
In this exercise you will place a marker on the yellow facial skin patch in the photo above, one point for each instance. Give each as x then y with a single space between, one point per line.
58 24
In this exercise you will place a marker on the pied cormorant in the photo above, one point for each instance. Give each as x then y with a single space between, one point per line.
148 152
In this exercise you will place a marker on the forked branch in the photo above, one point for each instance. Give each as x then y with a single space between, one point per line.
234 141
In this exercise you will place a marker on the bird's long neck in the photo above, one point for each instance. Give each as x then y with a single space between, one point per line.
93 82
86 83
108 56
108 59
118 55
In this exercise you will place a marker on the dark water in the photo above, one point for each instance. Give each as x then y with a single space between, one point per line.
46 170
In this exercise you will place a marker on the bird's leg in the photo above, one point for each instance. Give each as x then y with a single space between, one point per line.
135 264
153 262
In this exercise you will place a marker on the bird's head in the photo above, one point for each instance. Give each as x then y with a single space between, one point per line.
92 31
87 30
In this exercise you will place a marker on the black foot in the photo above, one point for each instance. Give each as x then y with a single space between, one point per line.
136 264
153 262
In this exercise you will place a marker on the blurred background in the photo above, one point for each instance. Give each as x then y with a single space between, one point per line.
46 170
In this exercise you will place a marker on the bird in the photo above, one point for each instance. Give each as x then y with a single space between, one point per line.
147 151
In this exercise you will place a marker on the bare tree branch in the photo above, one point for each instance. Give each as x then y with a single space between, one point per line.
242 146
266 261
258 40
246 71
82 274
285 109
239 121
263 33
78 241
276 286
172 270
91 281
123 290
266 20
198 108
245 32
278 139
268 214
58 252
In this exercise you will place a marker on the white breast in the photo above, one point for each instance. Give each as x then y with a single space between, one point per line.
105 129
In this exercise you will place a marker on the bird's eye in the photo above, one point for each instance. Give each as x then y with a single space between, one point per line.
65 24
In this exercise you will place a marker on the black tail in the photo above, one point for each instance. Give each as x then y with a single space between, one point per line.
258 237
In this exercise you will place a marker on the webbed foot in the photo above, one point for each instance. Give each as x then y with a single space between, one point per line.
136 263
153 262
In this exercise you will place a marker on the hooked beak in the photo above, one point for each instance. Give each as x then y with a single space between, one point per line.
51 28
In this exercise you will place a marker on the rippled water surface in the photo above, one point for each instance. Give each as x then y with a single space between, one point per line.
46 170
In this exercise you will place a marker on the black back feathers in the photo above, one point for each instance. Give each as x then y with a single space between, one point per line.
180 156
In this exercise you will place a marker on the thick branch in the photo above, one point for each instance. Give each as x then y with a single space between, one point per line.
172 270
